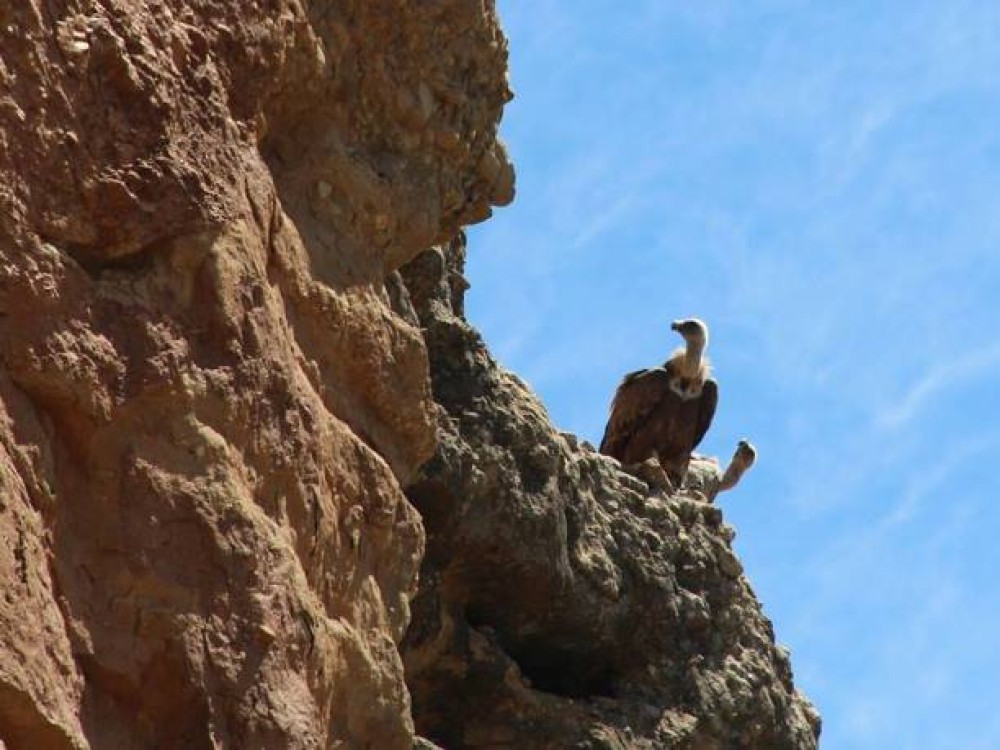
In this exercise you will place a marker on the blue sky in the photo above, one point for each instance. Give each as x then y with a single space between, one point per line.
821 183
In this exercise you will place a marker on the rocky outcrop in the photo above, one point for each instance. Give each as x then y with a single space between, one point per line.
215 386
562 603
207 404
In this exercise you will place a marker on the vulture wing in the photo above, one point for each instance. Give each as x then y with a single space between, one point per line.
634 401
706 410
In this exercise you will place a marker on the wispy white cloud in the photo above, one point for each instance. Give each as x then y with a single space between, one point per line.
949 375
924 480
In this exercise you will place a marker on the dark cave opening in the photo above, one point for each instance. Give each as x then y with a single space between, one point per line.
563 671
559 669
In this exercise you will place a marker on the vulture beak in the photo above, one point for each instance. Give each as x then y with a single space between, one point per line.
675 326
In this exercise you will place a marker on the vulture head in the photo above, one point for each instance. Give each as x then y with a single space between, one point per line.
743 459
694 331
746 454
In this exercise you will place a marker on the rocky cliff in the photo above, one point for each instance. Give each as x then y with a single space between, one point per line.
565 603
222 407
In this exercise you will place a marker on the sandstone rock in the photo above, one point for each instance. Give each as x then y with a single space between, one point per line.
207 400
562 603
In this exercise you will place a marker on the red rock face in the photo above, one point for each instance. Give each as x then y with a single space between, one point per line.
208 401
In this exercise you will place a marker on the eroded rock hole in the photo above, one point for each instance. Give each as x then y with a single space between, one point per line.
555 668
562 671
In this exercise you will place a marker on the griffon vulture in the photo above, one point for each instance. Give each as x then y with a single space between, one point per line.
664 412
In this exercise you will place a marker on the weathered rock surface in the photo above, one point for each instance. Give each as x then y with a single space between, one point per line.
207 404
561 603
214 387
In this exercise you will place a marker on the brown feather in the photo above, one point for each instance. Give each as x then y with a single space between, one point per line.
649 418
634 401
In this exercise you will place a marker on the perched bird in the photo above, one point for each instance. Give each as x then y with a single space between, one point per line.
705 477
664 412
742 460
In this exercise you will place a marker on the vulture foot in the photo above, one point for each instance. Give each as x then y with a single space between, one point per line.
651 472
